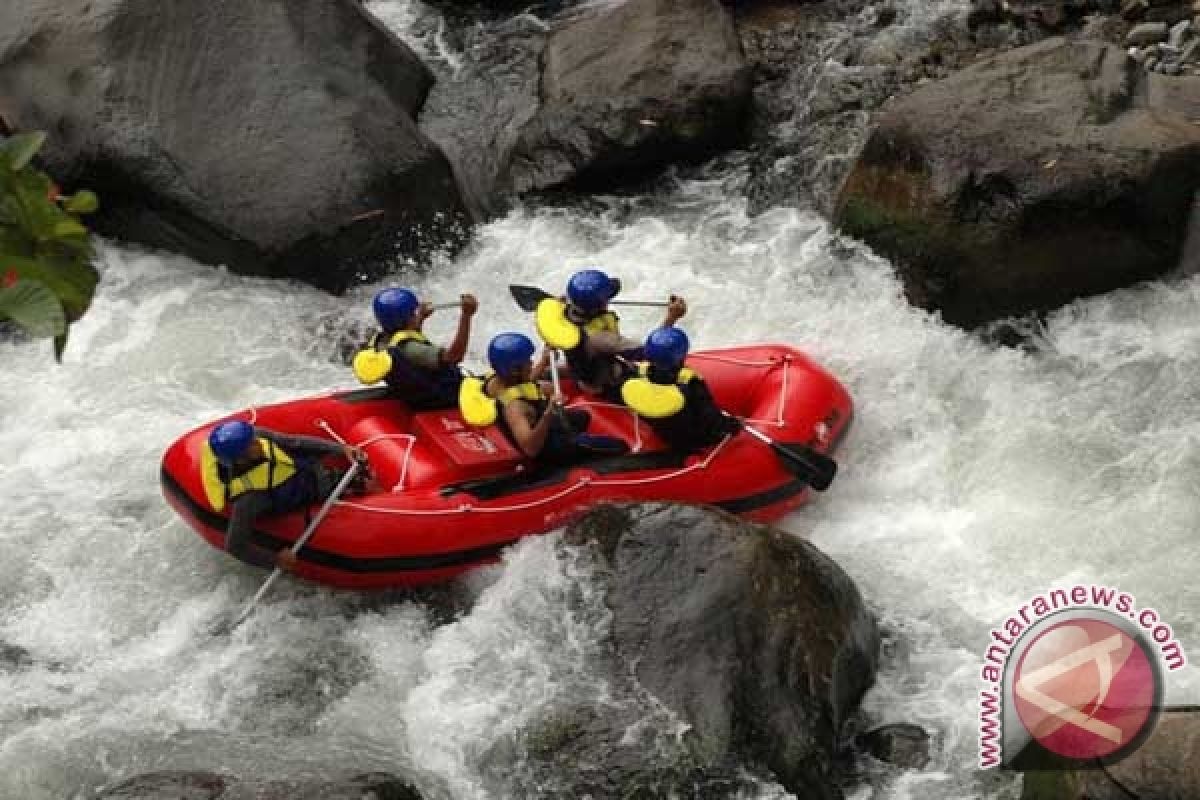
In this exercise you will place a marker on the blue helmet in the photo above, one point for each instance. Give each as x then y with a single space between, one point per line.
591 289
394 307
666 348
508 352
229 440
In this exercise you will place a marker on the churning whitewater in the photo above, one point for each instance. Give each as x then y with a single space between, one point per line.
975 476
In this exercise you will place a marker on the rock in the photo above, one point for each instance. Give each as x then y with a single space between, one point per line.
732 646
13 657
1178 97
210 786
1163 768
631 87
1134 9
476 112
1025 181
276 136
1147 33
1191 52
169 786
1178 33
905 746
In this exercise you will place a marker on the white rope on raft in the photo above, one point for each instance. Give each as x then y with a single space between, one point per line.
466 508
365 443
779 421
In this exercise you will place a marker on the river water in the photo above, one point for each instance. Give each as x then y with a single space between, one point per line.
974 478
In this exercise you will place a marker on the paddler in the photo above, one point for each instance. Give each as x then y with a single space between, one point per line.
595 350
257 472
418 372
672 398
530 413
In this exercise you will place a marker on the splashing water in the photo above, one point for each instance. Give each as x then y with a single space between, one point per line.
974 478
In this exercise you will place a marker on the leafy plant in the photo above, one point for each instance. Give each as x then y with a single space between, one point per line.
46 276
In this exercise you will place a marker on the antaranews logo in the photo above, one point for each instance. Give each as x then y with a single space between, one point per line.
1076 675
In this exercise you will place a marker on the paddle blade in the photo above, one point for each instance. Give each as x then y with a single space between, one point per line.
817 470
528 297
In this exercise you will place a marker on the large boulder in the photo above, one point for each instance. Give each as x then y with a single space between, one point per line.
275 136
630 87
732 646
1025 181
476 110
1164 767
213 786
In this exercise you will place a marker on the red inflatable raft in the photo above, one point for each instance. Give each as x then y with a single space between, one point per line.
452 497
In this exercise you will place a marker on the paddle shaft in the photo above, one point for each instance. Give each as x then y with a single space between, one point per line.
562 414
343 484
528 297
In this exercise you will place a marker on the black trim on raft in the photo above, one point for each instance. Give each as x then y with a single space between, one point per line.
463 558
354 396
535 478
753 502
324 558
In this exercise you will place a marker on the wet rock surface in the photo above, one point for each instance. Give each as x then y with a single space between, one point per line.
276 137
1030 179
731 646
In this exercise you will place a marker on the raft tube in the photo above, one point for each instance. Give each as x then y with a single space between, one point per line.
451 497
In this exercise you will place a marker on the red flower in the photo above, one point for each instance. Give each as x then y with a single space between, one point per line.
9 278
53 193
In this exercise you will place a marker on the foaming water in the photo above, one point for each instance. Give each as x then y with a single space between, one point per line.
974 477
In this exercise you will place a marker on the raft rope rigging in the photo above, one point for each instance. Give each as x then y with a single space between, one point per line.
583 481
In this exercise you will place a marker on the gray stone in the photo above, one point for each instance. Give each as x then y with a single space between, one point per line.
1179 32
900 744
1177 97
1164 767
629 87
1147 33
1025 181
211 786
732 646
169 786
1191 52
275 136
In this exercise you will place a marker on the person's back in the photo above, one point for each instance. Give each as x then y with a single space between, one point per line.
598 360
529 416
673 399
418 372
259 472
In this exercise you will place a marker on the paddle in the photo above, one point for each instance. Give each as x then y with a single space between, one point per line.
817 469
340 489
528 297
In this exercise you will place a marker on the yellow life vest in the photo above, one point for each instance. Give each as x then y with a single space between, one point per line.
275 470
608 322
558 331
480 410
655 400
372 364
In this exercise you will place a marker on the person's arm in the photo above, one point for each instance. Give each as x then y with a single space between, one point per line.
542 365
312 445
530 434
457 350
610 344
243 511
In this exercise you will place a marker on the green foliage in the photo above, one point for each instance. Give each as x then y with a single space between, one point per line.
46 275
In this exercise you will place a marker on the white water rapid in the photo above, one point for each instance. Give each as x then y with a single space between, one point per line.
974 478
